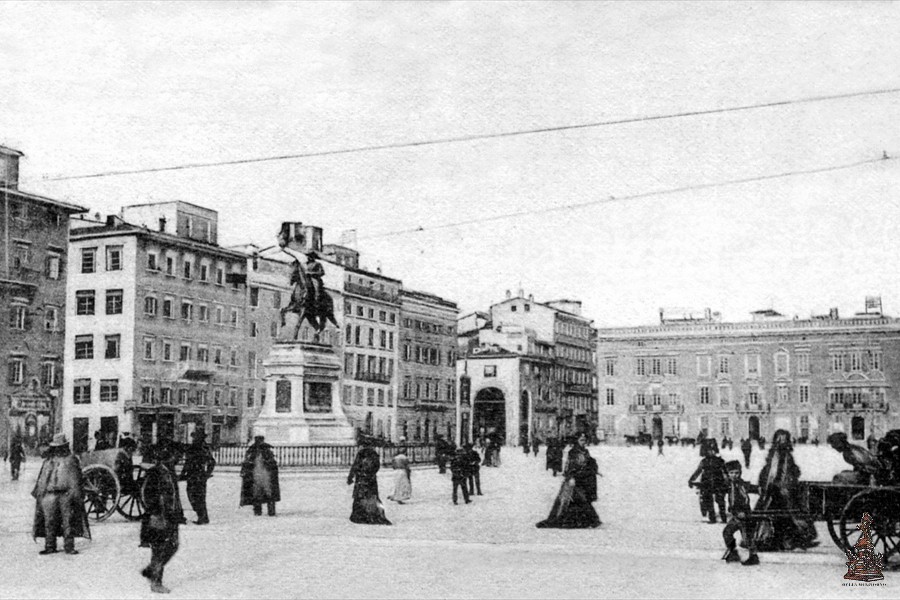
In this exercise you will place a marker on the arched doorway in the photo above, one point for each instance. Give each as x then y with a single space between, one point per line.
753 428
489 411
657 427
858 428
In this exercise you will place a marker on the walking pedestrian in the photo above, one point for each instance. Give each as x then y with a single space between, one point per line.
459 470
367 507
259 477
747 450
473 474
59 494
162 516
198 468
555 449
16 457
402 478
712 481
535 445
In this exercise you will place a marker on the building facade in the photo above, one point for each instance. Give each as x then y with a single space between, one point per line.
34 261
811 376
157 317
426 405
531 369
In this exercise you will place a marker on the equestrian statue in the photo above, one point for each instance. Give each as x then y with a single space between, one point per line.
309 300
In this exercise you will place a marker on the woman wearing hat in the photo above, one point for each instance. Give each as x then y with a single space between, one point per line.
59 492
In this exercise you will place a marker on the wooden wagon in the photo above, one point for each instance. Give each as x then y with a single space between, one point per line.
105 492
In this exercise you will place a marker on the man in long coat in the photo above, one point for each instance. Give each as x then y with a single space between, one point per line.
162 515
259 477
198 467
16 457
59 492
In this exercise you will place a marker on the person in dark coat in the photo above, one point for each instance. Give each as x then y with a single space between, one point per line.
16 457
367 507
459 472
740 518
536 445
59 495
573 507
712 481
555 449
124 466
441 454
100 441
259 477
747 450
162 516
865 464
473 475
659 446
198 467
170 452
488 453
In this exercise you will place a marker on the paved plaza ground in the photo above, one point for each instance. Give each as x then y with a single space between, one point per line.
652 543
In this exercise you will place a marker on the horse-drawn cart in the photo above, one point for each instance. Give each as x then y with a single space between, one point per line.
109 487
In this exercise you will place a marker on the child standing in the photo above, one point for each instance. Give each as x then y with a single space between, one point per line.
712 481
739 502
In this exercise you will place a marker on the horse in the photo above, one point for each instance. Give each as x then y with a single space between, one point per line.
304 305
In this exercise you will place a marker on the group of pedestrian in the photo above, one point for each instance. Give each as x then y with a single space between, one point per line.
465 469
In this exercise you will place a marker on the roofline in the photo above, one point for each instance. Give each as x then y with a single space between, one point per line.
545 305
169 202
364 272
11 151
428 296
136 230
67 206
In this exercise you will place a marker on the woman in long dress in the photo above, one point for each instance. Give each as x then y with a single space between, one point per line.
779 491
572 508
402 480
367 507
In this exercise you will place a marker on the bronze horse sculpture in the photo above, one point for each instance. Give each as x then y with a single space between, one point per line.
304 304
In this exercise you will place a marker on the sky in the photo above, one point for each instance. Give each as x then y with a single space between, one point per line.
91 88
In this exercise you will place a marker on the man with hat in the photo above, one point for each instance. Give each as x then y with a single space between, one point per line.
865 464
315 272
59 492
259 477
198 467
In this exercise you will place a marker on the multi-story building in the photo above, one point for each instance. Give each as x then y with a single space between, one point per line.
427 402
531 369
810 376
33 299
156 314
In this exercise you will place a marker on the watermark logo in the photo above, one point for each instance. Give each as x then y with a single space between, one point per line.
862 562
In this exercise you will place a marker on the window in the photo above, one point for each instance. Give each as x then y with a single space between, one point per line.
219 315
81 391
273 329
803 393
109 390
148 395
217 397
18 317
149 345
276 299
656 398
187 268
656 366
371 337
382 338
251 397
220 276
254 296
16 372
874 360
84 302
88 260
51 318
640 366
370 397
752 362
782 364
204 313
347 395
704 395
356 335
203 353
358 395
610 367
251 365
202 397
84 346
184 352
803 363
114 302
112 345
253 330
22 255
167 351
781 394
610 397
234 317
724 364
170 265
671 366
151 306
234 359
114 258
169 308
187 310
490 370
640 399
725 427
204 272
724 396
856 360
53 266
217 356
753 397
182 397
380 397
232 396
837 363
152 262
703 365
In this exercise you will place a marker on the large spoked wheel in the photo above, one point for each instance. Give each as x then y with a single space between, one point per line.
884 506
833 524
131 504
101 492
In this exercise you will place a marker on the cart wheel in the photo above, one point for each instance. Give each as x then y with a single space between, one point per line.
833 524
884 507
131 505
101 491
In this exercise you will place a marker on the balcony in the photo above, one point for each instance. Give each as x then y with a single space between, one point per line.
579 388
431 405
362 290
866 406
196 370
371 377
752 407
669 409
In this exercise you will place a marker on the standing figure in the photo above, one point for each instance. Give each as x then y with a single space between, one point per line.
496 445
441 453
170 453
367 507
712 481
402 479
198 467
780 492
100 441
535 445
740 518
474 469
259 477
124 466
573 507
526 447
659 446
555 449
59 492
459 471
161 518
16 457
488 453
747 449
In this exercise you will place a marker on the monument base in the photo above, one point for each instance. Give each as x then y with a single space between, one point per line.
305 409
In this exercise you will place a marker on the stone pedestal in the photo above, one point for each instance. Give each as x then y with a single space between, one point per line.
303 397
